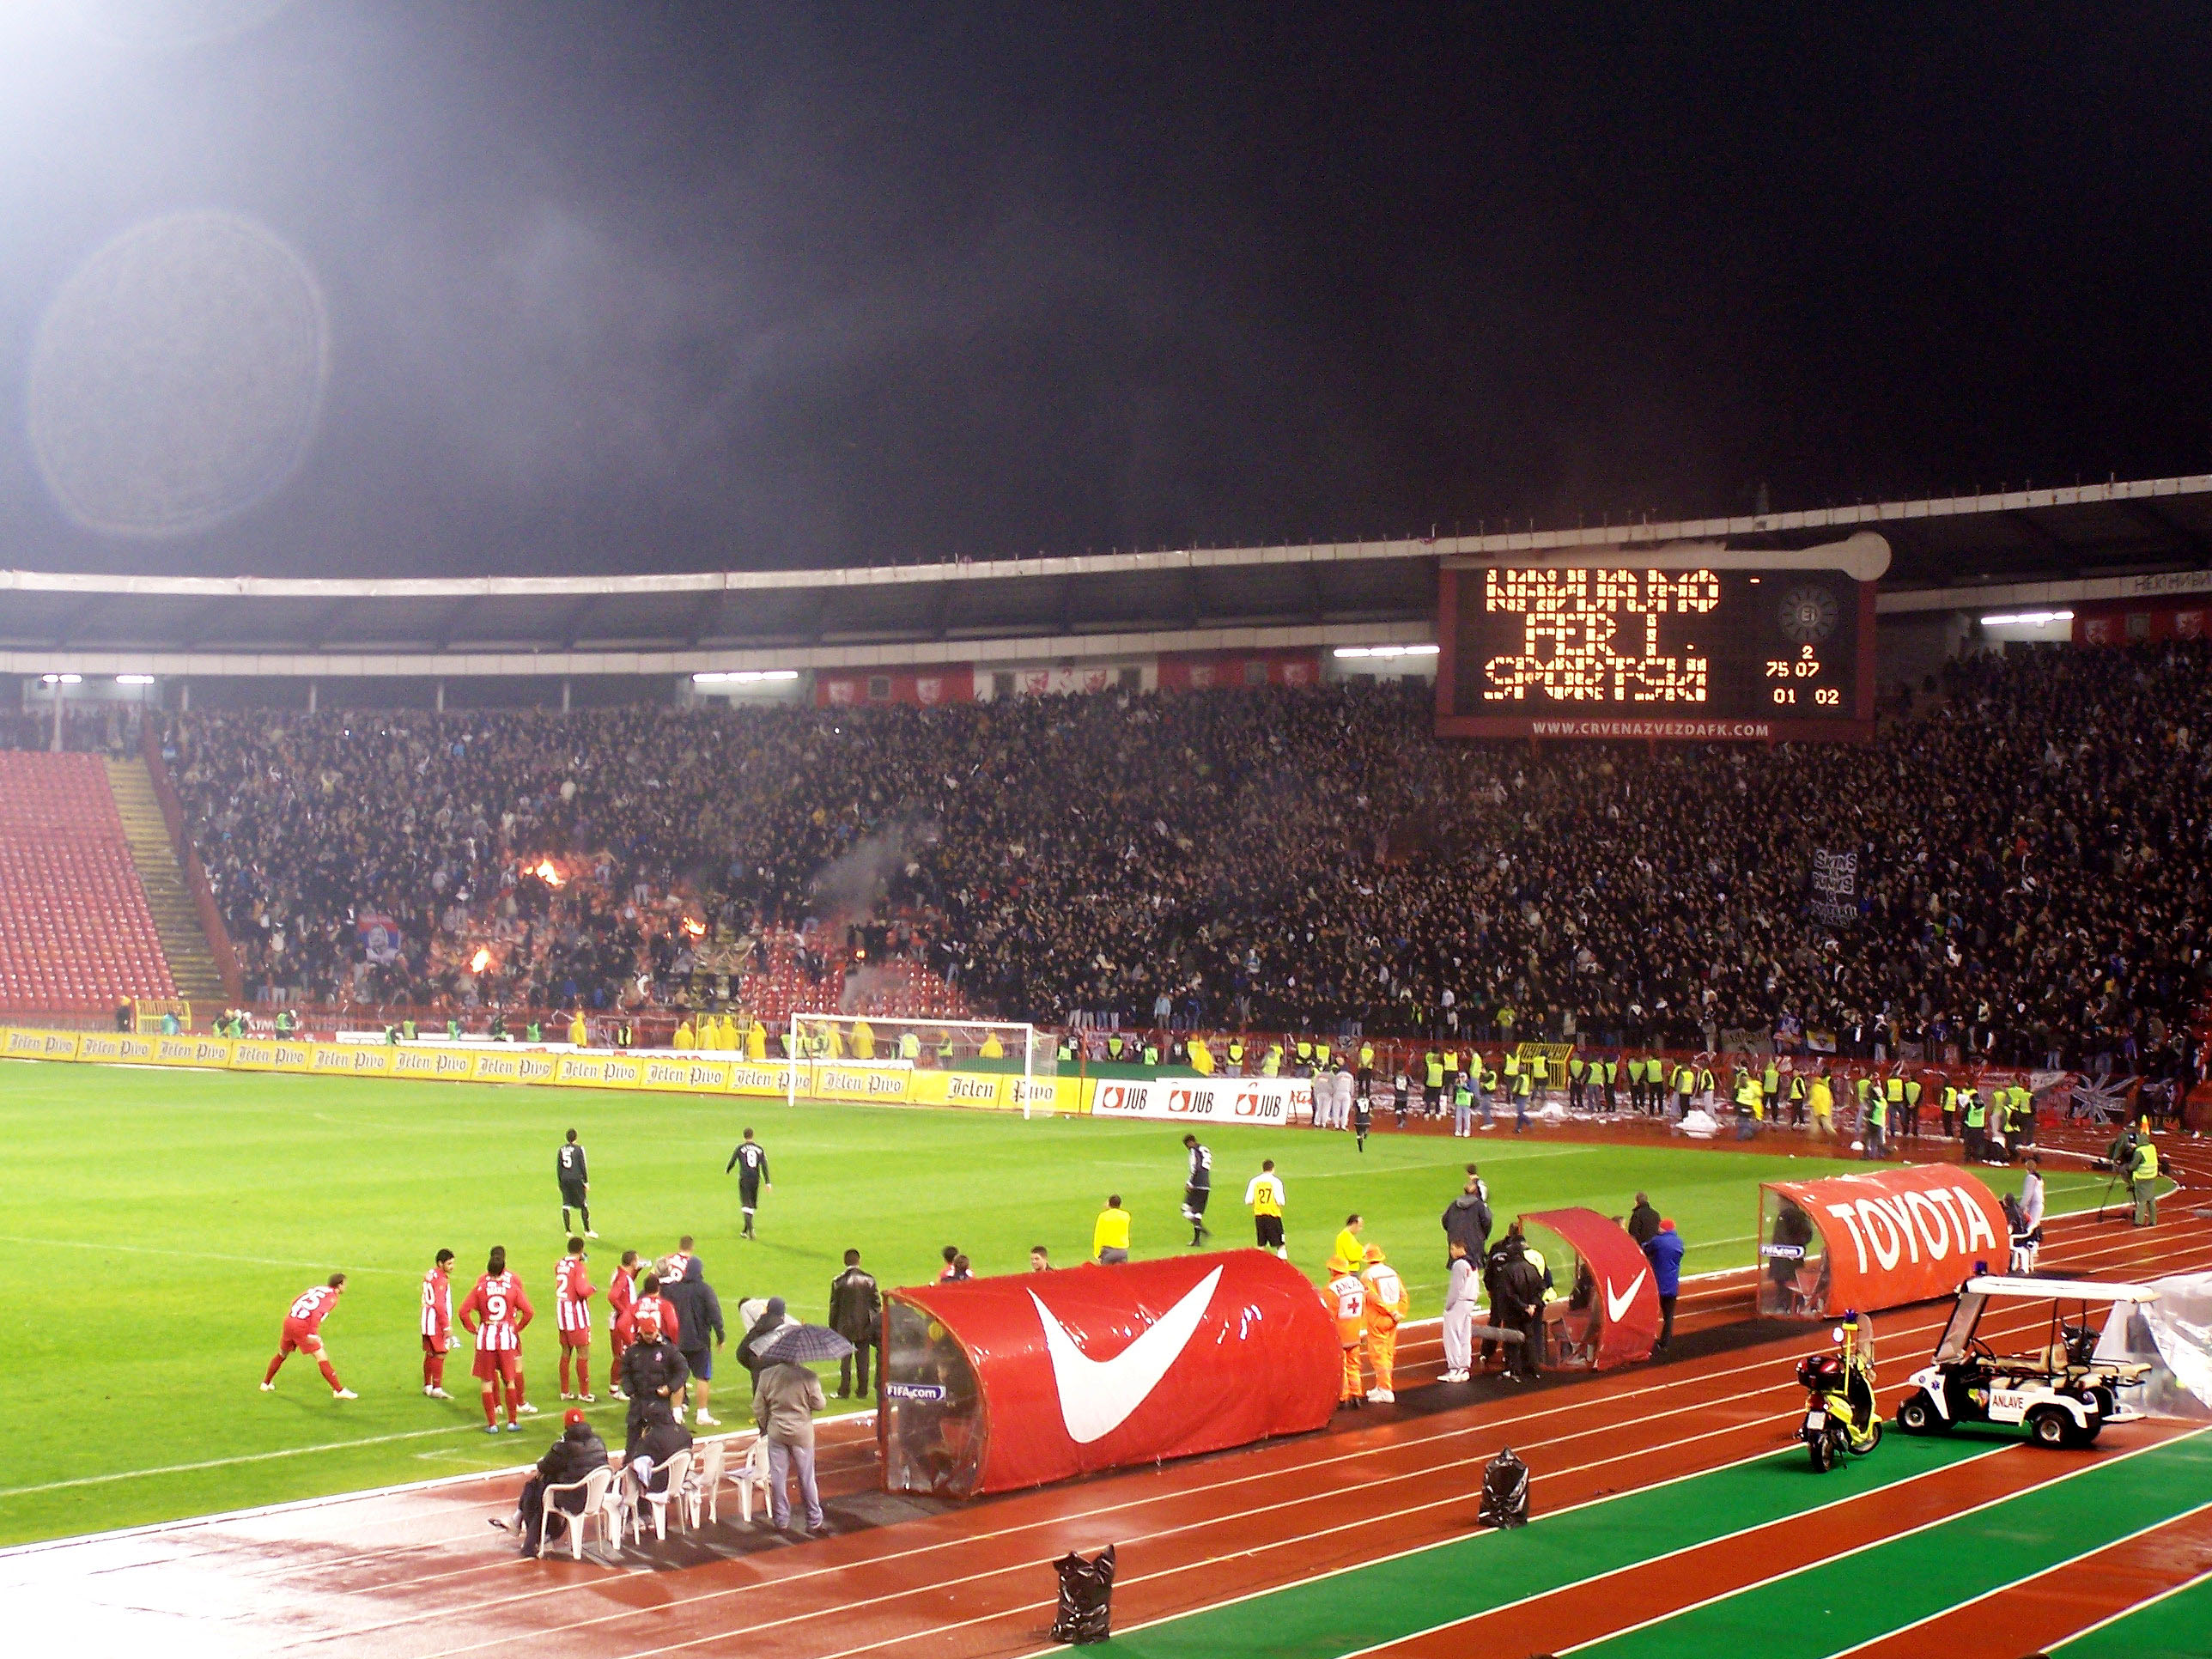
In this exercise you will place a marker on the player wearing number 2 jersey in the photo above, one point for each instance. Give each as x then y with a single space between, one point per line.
303 1326
496 1313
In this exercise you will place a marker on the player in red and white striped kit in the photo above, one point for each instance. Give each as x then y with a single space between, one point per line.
622 1328
572 1313
651 1302
437 1324
496 1313
303 1326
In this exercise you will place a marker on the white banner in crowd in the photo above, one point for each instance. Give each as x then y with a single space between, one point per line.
1276 1100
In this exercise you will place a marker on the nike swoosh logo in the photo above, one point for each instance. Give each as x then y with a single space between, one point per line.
1616 1305
1097 1395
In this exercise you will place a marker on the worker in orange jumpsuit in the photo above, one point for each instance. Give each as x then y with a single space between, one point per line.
1344 1296
1389 1302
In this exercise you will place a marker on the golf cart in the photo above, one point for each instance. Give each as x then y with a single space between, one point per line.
2058 1388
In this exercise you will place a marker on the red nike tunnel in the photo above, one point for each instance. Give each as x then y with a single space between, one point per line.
1607 1309
994 1384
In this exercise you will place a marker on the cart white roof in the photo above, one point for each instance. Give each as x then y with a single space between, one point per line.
2064 1290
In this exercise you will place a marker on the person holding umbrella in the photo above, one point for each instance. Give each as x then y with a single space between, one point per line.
786 1396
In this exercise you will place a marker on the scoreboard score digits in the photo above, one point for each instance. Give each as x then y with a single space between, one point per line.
1627 651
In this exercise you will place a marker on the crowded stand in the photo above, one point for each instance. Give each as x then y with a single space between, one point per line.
2028 834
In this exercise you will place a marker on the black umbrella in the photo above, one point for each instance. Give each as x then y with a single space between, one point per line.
800 1345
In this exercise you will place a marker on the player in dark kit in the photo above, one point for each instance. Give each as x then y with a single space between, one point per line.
1363 1117
576 1183
751 1162
1197 1187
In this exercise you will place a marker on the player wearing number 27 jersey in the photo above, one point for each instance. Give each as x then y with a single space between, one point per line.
496 1313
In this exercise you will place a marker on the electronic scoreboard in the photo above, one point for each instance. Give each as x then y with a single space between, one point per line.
1700 643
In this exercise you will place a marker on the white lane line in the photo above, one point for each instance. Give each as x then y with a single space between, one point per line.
2026 1578
2202 1579
1878 1543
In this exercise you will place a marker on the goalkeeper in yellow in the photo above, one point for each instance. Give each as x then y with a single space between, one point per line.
1389 1302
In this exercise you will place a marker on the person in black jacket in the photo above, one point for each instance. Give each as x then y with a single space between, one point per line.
653 1372
699 1327
856 1309
1468 1221
1642 1222
657 1439
774 1317
571 1459
1517 1302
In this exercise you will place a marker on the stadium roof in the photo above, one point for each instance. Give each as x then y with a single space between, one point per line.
2009 544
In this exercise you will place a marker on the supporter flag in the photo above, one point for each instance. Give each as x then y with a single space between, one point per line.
380 937
1833 881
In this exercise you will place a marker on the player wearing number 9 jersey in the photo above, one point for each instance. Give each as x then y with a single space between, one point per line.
495 1314
303 1326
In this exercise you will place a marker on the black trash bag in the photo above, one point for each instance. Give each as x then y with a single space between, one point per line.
1505 1492
1086 1598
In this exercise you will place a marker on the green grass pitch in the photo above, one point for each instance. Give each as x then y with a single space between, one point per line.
157 1223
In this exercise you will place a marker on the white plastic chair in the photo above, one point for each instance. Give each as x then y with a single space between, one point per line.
753 1477
593 1488
679 1470
706 1489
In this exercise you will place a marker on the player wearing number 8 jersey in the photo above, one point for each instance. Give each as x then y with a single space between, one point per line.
302 1333
496 1313
572 1313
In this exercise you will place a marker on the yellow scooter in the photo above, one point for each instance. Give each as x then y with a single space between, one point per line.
1840 1417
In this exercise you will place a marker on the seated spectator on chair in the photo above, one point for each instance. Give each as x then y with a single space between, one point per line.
569 1460
660 1438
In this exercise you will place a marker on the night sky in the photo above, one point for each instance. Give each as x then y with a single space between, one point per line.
511 286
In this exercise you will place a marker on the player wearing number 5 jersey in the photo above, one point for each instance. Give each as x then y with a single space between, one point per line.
496 1313
572 1314
303 1326
437 1324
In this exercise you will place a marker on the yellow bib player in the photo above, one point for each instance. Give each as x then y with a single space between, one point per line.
1389 1302
1344 1296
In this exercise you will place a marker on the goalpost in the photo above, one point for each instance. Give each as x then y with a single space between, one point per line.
978 1046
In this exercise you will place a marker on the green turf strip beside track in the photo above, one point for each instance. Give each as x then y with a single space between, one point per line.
2176 1626
1323 1618
1856 1598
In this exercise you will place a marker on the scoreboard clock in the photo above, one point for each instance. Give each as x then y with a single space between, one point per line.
1698 643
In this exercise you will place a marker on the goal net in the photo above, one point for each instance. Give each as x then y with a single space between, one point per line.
974 1048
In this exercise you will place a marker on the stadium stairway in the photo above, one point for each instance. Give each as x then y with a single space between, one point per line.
184 943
